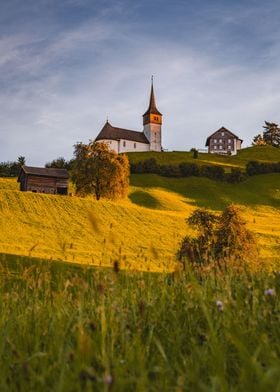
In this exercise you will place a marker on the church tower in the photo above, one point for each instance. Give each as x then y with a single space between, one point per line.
152 120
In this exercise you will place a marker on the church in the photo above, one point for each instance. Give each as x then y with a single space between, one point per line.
125 140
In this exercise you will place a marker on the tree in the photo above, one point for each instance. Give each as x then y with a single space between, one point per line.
59 163
271 134
220 238
259 140
233 239
21 161
100 171
194 152
199 250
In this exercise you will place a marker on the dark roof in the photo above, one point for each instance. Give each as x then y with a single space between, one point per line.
152 109
108 132
43 172
222 129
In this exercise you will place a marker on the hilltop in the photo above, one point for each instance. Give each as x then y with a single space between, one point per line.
257 153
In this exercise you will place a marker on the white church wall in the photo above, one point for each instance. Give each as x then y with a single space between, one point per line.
131 146
121 146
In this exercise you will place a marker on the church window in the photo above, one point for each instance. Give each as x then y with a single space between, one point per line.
124 143
134 145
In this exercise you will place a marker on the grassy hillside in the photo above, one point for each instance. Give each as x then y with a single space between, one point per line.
259 153
142 232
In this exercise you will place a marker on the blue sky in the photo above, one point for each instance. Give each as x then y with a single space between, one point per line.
66 65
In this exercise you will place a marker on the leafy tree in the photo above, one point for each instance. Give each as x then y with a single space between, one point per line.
199 250
100 171
219 238
233 239
271 134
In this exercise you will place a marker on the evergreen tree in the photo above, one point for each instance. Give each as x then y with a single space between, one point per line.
271 134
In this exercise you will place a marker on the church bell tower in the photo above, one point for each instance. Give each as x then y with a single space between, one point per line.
152 120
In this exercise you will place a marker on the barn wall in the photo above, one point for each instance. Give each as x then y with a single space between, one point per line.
48 185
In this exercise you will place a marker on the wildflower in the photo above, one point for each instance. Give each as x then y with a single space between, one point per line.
269 292
108 379
220 305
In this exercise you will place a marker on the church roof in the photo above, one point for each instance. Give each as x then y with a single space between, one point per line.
152 109
220 130
108 132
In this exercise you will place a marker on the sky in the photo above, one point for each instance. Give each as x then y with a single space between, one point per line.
68 65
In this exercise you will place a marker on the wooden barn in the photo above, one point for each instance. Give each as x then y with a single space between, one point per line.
43 180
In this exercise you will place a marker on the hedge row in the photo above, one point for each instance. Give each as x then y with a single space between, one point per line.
212 172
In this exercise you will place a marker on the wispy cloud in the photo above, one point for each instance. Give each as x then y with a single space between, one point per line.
59 85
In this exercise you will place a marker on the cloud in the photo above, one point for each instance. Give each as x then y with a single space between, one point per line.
58 86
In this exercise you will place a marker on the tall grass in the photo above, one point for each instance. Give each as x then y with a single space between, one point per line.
66 328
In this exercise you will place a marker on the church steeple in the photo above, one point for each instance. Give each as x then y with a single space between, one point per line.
152 114
152 120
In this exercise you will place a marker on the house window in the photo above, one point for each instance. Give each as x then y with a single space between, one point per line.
223 134
220 147
215 140
229 141
124 143
215 147
221 140
229 147
134 145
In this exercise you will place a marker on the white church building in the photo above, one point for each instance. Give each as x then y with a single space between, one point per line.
125 140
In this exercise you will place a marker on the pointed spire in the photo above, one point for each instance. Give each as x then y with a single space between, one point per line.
152 109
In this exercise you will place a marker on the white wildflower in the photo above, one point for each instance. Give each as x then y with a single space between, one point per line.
220 305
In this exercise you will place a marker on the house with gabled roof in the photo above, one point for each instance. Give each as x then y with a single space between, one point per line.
125 140
223 142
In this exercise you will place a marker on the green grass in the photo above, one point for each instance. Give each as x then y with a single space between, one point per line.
142 232
259 153
65 328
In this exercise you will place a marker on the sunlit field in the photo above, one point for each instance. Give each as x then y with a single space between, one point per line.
142 232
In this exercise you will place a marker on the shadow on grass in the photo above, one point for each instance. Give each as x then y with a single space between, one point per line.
216 195
144 199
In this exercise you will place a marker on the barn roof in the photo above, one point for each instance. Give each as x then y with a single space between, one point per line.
108 132
222 129
43 172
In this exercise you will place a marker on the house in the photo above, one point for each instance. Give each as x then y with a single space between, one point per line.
126 140
223 141
43 180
